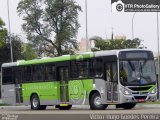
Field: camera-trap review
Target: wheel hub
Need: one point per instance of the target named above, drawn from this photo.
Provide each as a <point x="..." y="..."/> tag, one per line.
<point x="35" y="102"/>
<point x="97" y="101"/>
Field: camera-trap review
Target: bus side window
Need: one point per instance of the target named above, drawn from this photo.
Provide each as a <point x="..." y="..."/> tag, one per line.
<point x="27" y="74"/>
<point x="96" y="69"/>
<point x="74" y="69"/>
<point x="80" y="69"/>
<point x="83" y="69"/>
<point x="50" y="72"/>
<point x="7" y="76"/>
<point x="17" y="74"/>
<point x="38" y="72"/>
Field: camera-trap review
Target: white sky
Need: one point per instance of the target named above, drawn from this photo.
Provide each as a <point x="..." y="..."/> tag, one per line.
<point x="100" y="22"/>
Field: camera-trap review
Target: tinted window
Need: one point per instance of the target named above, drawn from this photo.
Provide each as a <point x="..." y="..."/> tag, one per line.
<point x="80" y="69"/>
<point x="27" y="74"/>
<point x="17" y="74"/>
<point x="38" y="73"/>
<point x="50" y="72"/>
<point x="7" y="76"/>
<point x="96" y="69"/>
<point x="136" y="55"/>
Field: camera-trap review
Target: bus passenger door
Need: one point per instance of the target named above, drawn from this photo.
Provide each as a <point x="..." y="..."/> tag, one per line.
<point x="111" y="81"/>
<point x="18" y="85"/>
<point x="63" y="77"/>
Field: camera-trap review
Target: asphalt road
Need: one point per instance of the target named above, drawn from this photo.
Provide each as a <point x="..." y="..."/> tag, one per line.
<point x="139" y="109"/>
<point x="141" y="112"/>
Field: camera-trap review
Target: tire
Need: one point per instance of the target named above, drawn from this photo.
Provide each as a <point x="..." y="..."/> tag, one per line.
<point x="65" y="107"/>
<point x="43" y="107"/>
<point x="128" y="105"/>
<point x="95" y="102"/>
<point x="35" y="103"/>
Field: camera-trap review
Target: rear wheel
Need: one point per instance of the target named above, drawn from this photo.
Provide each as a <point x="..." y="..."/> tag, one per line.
<point x="35" y="103"/>
<point x="65" y="107"/>
<point x="128" y="105"/>
<point x="95" y="102"/>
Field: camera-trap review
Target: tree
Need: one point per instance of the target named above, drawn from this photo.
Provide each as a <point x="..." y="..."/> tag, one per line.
<point x="5" y="53"/>
<point x="28" y="52"/>
<point x="102" y="44"/>
<point x="51" y="25"/>
<point x="3" y="33"/>
<point x="19" y="51"/>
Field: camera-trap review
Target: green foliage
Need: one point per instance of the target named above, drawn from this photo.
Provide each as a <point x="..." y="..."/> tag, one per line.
<point x="28" y="52"/>
<point x="51" y="25"/>
<point x="5" y="49"/>
<point x="3" y="33"/>
<point x="19" y="52"/>
<point x="102" y="44"/>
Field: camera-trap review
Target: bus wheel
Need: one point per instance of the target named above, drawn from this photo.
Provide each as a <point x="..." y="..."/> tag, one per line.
<point x="35" y="103"/>
<point x="65" y="107"/>
<point x="95" y="102"/>
<point x="128" y="105"/>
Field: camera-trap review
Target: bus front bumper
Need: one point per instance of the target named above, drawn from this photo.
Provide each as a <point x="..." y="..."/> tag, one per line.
<point x="137" y="98"/>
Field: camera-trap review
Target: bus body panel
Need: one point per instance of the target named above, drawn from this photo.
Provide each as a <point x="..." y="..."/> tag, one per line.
<point x="100" y="86"/>
<point x="48" y="92"/>
<point x="79" y="91"/>
<point x="8" y="94"/>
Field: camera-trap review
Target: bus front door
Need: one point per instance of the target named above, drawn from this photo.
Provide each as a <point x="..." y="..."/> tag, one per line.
<point x="63" y="77"/>
<point x="112" y="82"/>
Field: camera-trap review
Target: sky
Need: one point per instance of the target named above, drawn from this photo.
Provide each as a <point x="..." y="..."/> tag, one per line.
<point x="101" y="22"/>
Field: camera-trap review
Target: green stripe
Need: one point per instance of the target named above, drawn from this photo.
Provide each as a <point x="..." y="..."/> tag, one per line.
<point x="57" y="59"/>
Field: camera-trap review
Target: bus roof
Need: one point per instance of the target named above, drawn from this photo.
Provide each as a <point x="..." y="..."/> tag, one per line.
<point x="116" y="52"/>
<point x="50" y="59"/>
<point x="69" y="57"/>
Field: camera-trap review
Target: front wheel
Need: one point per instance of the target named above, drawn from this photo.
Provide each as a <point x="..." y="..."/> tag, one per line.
<point x="95" y="102"/>
<point x="35" y="103"/>
<point x="128" y="105"/>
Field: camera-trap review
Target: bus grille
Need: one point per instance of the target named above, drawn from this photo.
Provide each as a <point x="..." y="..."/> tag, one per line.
<point x="140" y="88"/>
<point x="140" y="93"/>
<point x="140" y="97"/>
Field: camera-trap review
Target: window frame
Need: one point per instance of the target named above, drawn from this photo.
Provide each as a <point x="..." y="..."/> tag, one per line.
<point x="24" y="74"/>
<point x="45" y="76"/>
<point x="11" y="75"/>
<point x="34" y="75"/>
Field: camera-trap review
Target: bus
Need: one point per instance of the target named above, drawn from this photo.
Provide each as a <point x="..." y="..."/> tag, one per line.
<point x="115" y="77"/>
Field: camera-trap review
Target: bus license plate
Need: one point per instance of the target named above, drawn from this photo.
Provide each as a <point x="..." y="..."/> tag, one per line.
<point x="140" y="100"/>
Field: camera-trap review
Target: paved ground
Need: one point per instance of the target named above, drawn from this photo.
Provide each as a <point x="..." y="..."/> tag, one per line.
<point x="140" y="112"/>
<point x="139" y="109"/>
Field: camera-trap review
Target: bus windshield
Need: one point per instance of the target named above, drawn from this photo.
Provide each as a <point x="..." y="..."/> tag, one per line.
<point x="137" y="72"/>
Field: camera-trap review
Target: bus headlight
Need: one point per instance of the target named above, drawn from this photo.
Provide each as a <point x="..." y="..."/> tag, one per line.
<point x="126" y="92"/>
<point x="154" y="91"/>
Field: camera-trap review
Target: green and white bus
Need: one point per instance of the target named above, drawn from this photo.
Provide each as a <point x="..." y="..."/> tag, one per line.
<point x="117" y="77"/>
